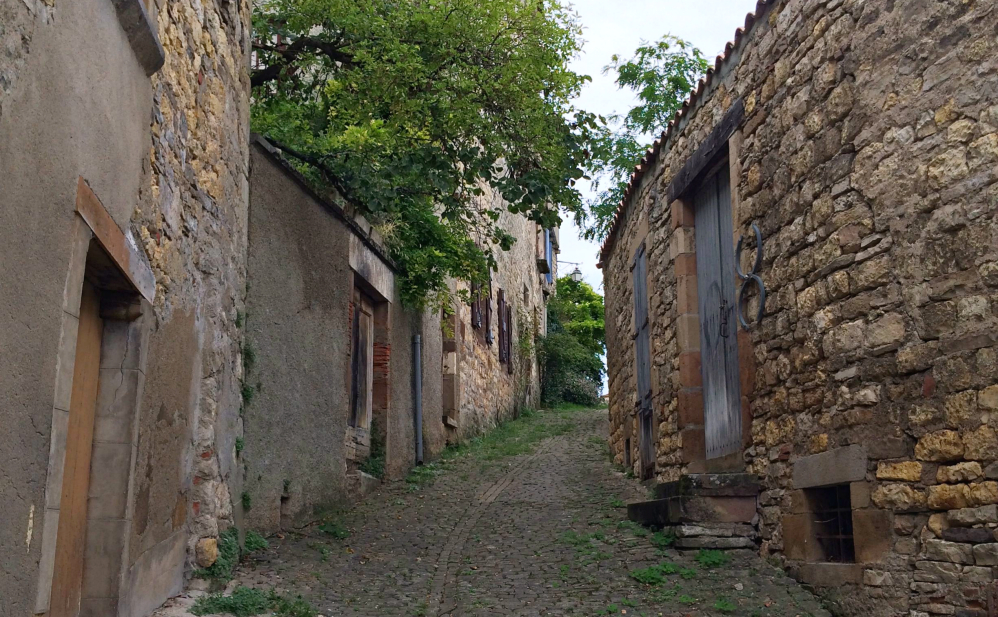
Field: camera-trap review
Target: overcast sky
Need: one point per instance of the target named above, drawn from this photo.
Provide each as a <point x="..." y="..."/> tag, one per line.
<point x="617" y="27"/>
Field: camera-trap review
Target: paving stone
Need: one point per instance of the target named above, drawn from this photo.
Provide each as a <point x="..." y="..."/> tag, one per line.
<point x="535" y="534"/>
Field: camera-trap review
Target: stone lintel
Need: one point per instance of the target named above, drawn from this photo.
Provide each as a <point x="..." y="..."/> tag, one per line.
<point x="839" y="466"/>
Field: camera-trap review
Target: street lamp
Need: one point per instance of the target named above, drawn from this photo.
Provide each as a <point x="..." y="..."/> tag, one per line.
<point x="576" y="275"/>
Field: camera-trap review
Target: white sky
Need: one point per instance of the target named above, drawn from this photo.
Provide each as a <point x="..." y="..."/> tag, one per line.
<point x="618" y="27"/>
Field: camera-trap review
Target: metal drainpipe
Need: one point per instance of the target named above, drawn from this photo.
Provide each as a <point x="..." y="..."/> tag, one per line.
<point x="417" y="386"/>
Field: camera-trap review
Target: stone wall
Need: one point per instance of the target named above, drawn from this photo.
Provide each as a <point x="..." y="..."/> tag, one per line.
<point x="868" y="156"/>
<point x="489" y="393"/>
<point x="165" y="158"/>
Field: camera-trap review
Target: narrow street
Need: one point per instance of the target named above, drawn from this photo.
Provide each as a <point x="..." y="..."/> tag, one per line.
<point x="528" y="521"/>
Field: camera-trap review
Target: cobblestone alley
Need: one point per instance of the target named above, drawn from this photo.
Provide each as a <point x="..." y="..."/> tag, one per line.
<point x="529" y="522"/>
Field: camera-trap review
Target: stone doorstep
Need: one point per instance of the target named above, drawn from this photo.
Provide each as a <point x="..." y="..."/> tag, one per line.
<point x="360" y="484"/>
<point x="711" y="485"/>
<point x="714" y="542"/>
<point x="717" y="530"/>
<point x="693" y="509"/>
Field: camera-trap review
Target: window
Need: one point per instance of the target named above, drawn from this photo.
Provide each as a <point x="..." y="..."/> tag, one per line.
<point x="831" y="522"/>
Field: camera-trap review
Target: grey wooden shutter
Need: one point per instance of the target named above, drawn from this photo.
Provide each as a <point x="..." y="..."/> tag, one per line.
<point x="718" y="330"/>
<point x="509" y="339"/>
<point x="642" y="356"/>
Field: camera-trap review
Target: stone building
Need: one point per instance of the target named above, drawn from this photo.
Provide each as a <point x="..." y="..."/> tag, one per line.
<point x="330" y="353"/>
<point x="832" y="184"/>
<point x="123" y="192"/>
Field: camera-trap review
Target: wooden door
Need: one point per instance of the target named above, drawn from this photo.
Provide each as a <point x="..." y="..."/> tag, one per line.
<point x="362" y="362"/>
<point x="642" y="356"/>
<point x="67" y="578"/>
<point x="718" y="319"/>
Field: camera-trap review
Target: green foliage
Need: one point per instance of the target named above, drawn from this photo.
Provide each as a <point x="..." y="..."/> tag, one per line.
<point x="725" y="605"/>
<point x="408" y="110"/>
<point x="248" y="393"/>
<point x="247" y="501"/>
<point x="571" y="373"/>
<point x="611" y="609"/>
<point x="335" y="529"/>
<point x="653" y="575"/>
<point x="246" y="602"/>
<point x="662" y="74"/>
<point x="249" y="357"/>
<point x="578" y="310"/>
<point x="660" y="539"/>
<point x="686" y="599"/>
<point x="710" y="558"/>
<point x="240" y="445"/>
<point x="688" y="573"/>
<point x="255" y="542"/>
<point x="240" y="319"/>
<point x="228" y="557"/>
<point x="374" y="464"/>
<point x="571" y="353"/>
<point x="243" y="602"/>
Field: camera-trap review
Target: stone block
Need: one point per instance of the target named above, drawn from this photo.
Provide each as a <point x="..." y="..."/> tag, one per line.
<point x="694" y="444"/>
<point x="906" y="471"/>
<point x="961" y="472"/>
<point x="798" y="538"/>
<point x="107" y="498"/>
<point x="949" y="552"/>
<point x="710" y="542"/>
<point x="831" y="574"/>
<point x="937" y="572"/>
<point x="690" y="407"/>
<point x="940" y="447"/>
<point x="986" y="554"/>
<point x="899" y="498"/>
<point x="981" y="445"/>
<point x="859" y="495"/>
<point x="967" y="535"/>
<point x="968" y="517"/>
<point x="838" y="466"/>
<point x="206" y="552"/>
<point x="877" y="578"/>
<point x="949" y="496"/>
<point x="104" y="554"/>
<point x="872" y="535"/>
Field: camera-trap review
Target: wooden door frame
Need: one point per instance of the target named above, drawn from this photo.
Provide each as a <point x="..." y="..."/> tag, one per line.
<point x="100" y="255"/>
<point x="690" y="396"/>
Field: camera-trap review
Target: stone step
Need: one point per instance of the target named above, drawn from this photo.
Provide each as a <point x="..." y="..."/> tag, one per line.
<point x="693" y="509"/>
<point x="711" y="484"/>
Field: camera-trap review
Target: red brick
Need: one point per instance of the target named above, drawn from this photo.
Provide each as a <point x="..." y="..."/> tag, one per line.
<point x="928" y="385"/>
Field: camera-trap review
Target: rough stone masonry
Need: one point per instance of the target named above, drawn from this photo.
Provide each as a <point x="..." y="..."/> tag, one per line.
<point x="867" y="154"/>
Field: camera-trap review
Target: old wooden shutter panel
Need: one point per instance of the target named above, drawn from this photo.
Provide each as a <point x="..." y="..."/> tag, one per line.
<point x="642" y="352"/>
<point x="509" y="339"/>
<point x="718" y="330"/>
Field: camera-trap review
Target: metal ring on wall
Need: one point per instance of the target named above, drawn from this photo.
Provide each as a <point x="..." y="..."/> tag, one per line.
<point x="741" y="300"/>
<point x="758" y="255"/>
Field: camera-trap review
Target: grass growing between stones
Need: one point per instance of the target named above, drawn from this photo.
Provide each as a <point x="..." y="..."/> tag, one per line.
<point x="246" y="602"/>
<point x="510" y="438"/>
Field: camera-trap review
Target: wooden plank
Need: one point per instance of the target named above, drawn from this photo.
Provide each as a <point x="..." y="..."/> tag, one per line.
<point x="712" y="147"/>
<point x="67" y="578"/>
<point x="718" y="331"/>
<point x="110" y="237"/>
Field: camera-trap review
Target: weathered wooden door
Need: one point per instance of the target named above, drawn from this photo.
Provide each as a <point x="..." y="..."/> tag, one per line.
<point x="67" y="578"/>
<point x="718" y="319"/>
<point x="362" y="361"/>
<point x="642" y="354"/>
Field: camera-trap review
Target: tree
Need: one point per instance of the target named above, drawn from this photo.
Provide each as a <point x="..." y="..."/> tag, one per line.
<point x="416" y="112"/>
<point x="572" y="352"/>
<point x="578" y="310"/>
<point x="662" y="74"/>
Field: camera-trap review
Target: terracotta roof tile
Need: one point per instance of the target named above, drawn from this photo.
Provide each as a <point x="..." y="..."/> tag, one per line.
<point x="652" y="154"/>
